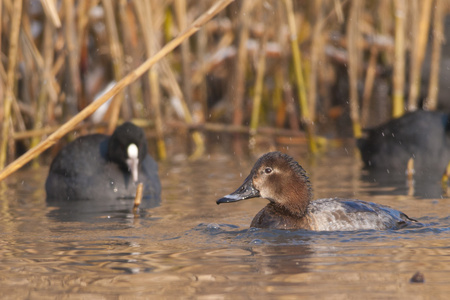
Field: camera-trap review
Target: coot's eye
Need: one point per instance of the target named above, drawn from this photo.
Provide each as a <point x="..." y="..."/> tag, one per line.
<point x="268" y="170"/>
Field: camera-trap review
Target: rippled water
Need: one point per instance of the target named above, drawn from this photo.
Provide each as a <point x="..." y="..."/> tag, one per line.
<point x="189" y="247"/>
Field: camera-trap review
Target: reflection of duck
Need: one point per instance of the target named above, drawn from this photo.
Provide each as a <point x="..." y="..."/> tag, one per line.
<point x="421" y="135"/>
<point x="101" y="167"/>
<point x="280" y="179"/>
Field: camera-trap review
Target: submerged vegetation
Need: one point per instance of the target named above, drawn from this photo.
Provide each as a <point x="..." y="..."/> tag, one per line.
<point x="266" y="66"/>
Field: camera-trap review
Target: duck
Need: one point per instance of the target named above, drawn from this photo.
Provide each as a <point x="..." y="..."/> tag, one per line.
<point x="280" y="179"/>
<point x="423" y="136"/>
<point x="103" y="167"/>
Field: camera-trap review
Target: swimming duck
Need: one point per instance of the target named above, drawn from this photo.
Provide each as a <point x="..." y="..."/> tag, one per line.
<point x="421" y="135"/>
<point x="102" y="167"/>
<point x="281" y="180"/>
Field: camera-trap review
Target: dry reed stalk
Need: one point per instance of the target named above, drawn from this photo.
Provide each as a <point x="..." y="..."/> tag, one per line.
<point x="354" y="61"/>
<point x="237" y="82"/>
<point x="1" y="65"/>
<point x="145" y="18"/>
<point x="315" y="55"/>
<point x="131" y="57"/>
<point x="48" y="81"/>
<point x="398" y="101"/>
<point x="304" y="109"/>
<point x="73" y="86"/>
<point x="46" y="84"/>
<point x="368" y="85"/>
<point x="217" y="7"/>
<point x="338" y="11"/>
<point x="259" y="82"/>
<point x="180" y="13"/>
<point x="83" y="19"/>
<point x="420" y="47"/>
<point x="117" y="60"/>
<point x="290" y="106"/>
<point x="438" y="38"/>
<point x="201" y="52"/>
<point x="279" y="104"/>
<point x="51" y="12"/>
<point x="385" y="26"/>
<point x="10" y="80"/>
<point x="155" y="98"/>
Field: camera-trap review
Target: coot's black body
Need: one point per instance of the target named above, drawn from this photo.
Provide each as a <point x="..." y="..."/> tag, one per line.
<point x="421" y="135"/>
<point x="94" y="167"/>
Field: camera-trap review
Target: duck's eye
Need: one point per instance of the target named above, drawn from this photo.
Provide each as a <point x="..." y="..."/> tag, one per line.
<point x="268" y="170"/>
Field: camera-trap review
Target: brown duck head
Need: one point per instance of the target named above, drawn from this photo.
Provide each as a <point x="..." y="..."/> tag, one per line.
<point x="278" y="178"/>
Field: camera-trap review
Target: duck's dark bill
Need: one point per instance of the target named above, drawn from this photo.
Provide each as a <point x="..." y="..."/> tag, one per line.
<point x="245" y="191"/>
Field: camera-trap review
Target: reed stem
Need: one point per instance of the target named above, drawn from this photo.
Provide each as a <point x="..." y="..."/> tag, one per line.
<point x="419" y="47"/>
<point x="261" y="69"/>
<point x="304" y="109"/>
<point x="117" y="60"/>
<point x="398" y="102"/>
<point x="16" y="18"/>
<point x="237" y="88"/>
<point x="438" y="38"/>
<point x="354" y="61"/>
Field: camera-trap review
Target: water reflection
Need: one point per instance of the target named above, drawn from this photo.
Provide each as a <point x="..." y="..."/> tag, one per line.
<point x="91" y="210"/>
<point x="422" y="186"/>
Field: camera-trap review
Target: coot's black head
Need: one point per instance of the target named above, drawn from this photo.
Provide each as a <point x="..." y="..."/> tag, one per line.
<point x="128" y="147"/>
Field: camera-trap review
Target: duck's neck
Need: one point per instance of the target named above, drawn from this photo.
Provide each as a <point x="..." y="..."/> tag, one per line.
<point x="297" y="200"/>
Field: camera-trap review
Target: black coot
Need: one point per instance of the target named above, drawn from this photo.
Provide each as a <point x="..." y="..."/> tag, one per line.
<point x="102" y="167"/>
<point x="421" y="135"/>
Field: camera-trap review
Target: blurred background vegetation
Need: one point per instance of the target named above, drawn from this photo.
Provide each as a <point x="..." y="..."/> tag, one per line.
<point x="277" y="67"/>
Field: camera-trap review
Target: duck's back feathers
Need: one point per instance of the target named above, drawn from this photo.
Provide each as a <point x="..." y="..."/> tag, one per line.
<point x="349" y="214"/>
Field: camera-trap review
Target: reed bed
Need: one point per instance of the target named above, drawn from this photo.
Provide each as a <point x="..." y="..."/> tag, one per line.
<point x="263" y="67"/>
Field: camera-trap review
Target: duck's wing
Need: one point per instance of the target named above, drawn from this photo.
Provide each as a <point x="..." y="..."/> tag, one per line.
<point x="346" y="214"/>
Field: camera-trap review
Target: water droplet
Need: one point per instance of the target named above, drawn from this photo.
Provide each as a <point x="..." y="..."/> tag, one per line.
<point x="256" y="242"/>
<point x="214" y="226"/>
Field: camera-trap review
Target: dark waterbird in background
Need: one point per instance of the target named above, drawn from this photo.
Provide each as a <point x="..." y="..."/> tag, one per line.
<point x="423" y="136"/>
<point x="281" y="180"/>
<point x="101" y="167"/>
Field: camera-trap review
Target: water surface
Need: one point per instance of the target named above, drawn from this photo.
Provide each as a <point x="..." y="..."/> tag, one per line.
<point x="189" y="247"/>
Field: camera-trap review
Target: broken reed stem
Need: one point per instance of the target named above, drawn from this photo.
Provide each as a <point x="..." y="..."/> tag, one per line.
<point x="304" y="109"/>
<point x="139" y="194"/>
<point x="353" y="62"/>
<point x="438" y="38"/>
<point x="419" y="47"/>
<point x="66" y="127"/>
<point x="399" y="60"/>
<point x="10" y="82"/>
